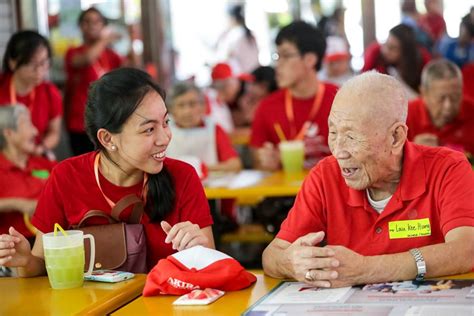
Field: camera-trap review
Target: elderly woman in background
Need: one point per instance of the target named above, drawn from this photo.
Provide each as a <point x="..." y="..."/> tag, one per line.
<point x="23" y="174"/>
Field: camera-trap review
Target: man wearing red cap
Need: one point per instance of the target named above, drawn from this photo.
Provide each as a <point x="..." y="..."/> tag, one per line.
<point x="231" y="89"/>
<point x="300" y="109"/>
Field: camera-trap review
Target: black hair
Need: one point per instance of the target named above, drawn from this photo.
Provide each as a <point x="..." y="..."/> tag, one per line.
<point x="266" y="75"/>
<point x="111" y="101"/>
<point x="21" y="47"/>
<point x="91" y="9"/>
<point x="306" y="37"/>
<point x="236" y="12"/>
<point x="411" y="63"/>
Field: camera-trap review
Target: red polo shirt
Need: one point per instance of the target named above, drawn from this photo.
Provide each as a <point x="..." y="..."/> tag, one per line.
<point x="71" y="191"/>
<point x="21" y="183"/>
<point x="44" y="102"/>
<point x="459" y="134"/>
<point x="436" y="184"/>
<point x="78" y="81"/>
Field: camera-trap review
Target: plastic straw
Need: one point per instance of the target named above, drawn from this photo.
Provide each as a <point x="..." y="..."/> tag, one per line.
<point x="279" y="132"/>
<point x="56" y="227"/>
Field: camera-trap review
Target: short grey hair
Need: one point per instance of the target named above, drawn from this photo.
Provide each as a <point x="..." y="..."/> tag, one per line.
<point x="181" y="88"/>
<point x="439" y="69"/>
<point x="9" y="115"/>
<point x="376" y="87"/>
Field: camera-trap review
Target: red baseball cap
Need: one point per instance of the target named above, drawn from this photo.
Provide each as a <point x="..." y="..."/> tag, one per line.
<point x="223" y="71"/>
<point x="196" y="268"/>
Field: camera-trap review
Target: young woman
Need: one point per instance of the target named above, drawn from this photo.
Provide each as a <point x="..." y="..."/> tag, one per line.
<point x="127" y="120"/>
<point x="85" y="64"/>
<point x="26" y="63"/>
<point x="400" y="56"/>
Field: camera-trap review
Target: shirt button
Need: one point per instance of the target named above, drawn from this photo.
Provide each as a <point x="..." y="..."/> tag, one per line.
<point x="378" y="230"/>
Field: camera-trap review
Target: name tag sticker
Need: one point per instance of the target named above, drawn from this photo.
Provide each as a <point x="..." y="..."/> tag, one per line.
<point x="409" y="228"/>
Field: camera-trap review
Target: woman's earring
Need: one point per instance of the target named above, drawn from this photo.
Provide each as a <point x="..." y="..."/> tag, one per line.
<point x="113" y="147"/>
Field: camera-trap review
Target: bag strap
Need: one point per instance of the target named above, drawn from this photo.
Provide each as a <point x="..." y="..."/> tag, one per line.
<point x="93" y="213"/>
<point x="123" y="203"/>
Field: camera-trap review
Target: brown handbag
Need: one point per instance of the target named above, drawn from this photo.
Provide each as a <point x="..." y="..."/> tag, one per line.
<point x="118" y="245"/>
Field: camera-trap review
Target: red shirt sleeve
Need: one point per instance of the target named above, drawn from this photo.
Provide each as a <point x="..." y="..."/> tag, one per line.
<point x="258" y="134"/>
<point x="191" y="200"/>
<point x="456" y="207"/>
<point x="56" y="101"/>
<point x="225" y="150"/>
<point x="50" y="209"/>
<point x="306" y="216"/>
<point x="371" y="57"/>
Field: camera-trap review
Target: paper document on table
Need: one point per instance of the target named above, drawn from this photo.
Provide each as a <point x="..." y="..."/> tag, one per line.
<point x="244" y="178"/>
<point x="300" y="293"/>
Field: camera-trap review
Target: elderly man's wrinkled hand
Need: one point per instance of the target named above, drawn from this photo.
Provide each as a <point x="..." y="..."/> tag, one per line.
<point x="311" y="264"/>
<point x="352" y="267"/>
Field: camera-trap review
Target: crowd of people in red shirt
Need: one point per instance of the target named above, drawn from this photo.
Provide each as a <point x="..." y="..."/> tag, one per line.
<point x="376" y="159"/>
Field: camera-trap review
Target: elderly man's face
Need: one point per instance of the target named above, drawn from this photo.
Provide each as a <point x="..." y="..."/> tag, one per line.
<point x="443" y="100"/>
<point x="358" y="144"/>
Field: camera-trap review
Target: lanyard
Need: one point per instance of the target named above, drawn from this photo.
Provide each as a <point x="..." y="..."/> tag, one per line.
<point x="314" y="110"/>
<point x="96" y="173"/>
<point x="13" y="99"/>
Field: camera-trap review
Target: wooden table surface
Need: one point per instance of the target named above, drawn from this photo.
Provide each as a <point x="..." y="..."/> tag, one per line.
<point x="34" y="296"/>
<point x="277" y="184"/>
<point x="232" y="303"/>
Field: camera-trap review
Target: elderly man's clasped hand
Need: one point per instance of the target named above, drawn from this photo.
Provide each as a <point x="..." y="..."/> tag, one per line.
<point x="330" y="266"/>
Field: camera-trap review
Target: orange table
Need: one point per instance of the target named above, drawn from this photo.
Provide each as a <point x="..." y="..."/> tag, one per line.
<point x="275" y="185"/>
<point x="34" y="296"/>
<point x="232" y="303"/>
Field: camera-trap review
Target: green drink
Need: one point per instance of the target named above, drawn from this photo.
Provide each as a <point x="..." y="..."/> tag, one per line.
<point x="65" y="267"/>
<point x="64" y="257"/>
<point x="292" y="155"/>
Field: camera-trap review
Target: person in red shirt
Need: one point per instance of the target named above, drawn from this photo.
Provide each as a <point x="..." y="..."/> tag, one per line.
<point x="388" y="209"/>
<point x="442" y="116"/>
<point x="210" y="143"/>
<point x="85" y="64"/>
<point x="23" y="173"/>
<point x="400" y="56"/>
<point x="26" y="63"/>
<point x="127" y="121"/>
<point x="301" y="107"/>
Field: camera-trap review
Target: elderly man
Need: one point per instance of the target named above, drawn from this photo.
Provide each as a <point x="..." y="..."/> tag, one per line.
<point x="388" y="209"/>
<point x="442" y="117"/>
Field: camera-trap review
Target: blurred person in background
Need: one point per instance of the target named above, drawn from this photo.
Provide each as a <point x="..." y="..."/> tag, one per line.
<point x="85" y="64"/>
<point x="400" y="56"/>
<point x="231" y="89"/>
<point x="337" y="62"/>
<point x="26" y="63"/>
<point x="237" y="45"/>
<point x="23" y="173"/>
<point x="461" y="50"/>
<point x="442" y="116"/>
<point x="196" y="136"/>
<point x="301" y="106"/>
<point x="433" y="22"/>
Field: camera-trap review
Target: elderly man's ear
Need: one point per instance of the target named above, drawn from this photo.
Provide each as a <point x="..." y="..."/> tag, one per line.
<point x="398" y="136"/>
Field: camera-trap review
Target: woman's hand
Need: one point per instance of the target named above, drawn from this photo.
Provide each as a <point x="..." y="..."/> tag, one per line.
<point x="184" y="235"/>
<point x="15" y="250"/>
